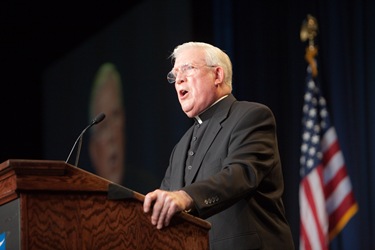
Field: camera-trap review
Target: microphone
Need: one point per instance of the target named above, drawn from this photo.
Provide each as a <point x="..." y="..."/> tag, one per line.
<point x="95" y="121"/>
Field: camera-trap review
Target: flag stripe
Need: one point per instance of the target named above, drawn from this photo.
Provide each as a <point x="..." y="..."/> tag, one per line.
<point x="340" y="176"/>
<point x="313" y="215"/>
<point x="344" y="219"/>
<point x="332" y="167"/>
<point x="304" y="241"/>
<point x="329" y="138"/>
<point x="339" y="194"/>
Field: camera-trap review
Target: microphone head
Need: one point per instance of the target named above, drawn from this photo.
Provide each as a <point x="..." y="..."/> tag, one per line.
<point x="98" y="119"/>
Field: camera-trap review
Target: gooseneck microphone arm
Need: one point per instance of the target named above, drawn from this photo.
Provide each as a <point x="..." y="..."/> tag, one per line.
<point x="95" y="121"/>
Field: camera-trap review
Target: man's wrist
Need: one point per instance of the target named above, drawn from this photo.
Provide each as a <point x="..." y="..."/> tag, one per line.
<point x="188" y="201"/>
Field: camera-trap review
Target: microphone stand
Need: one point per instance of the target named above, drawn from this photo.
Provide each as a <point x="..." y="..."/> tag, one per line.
<point x="96" y="120"/>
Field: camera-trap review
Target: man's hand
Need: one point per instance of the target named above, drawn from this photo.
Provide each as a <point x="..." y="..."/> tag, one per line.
<point x="165" y="204"/>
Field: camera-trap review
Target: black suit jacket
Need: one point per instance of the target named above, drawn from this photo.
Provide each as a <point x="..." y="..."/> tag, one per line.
<point x="236" y="181"/>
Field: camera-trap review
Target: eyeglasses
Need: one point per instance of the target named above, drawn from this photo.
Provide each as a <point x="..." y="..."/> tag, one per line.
<point x="185" y="70"/>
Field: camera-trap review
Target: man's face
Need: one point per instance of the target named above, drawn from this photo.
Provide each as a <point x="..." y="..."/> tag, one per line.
<point x="195" y="81"/>
<point x="107" y="147"/>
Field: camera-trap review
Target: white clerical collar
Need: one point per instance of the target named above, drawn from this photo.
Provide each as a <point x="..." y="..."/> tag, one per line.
<point x="199" y="120"/>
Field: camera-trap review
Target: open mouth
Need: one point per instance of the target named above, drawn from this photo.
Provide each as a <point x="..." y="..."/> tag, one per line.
<point x="183" y="92"/>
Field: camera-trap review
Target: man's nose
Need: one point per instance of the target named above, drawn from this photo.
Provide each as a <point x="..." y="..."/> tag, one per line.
<point x="180" y="77"/>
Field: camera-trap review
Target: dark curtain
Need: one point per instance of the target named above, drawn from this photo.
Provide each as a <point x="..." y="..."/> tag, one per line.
<point x="262" y="38"/>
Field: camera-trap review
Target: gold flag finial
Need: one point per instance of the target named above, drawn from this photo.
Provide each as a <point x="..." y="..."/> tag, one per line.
<point x="309" y="30"/>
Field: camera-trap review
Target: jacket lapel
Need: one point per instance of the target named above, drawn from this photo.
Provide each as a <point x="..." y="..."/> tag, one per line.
<point x="214" y="127"/>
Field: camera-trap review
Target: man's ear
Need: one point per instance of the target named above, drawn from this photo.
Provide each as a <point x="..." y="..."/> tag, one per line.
<point x="219" y="75"/>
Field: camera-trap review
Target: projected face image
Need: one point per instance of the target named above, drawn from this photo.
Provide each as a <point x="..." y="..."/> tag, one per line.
<point x="107" y="141"/>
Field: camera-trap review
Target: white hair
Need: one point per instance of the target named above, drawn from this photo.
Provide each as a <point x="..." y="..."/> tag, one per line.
<point x="214" y="56"/>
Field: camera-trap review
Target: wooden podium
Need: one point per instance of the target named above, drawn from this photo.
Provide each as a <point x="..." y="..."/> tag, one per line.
<point x="54" y="205"/>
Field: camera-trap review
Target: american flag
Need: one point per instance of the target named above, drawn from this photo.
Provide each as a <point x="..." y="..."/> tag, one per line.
<point x="326" y="197"/>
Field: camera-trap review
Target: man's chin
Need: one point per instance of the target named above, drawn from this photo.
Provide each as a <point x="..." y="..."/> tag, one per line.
<point x="189" y="112"/>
